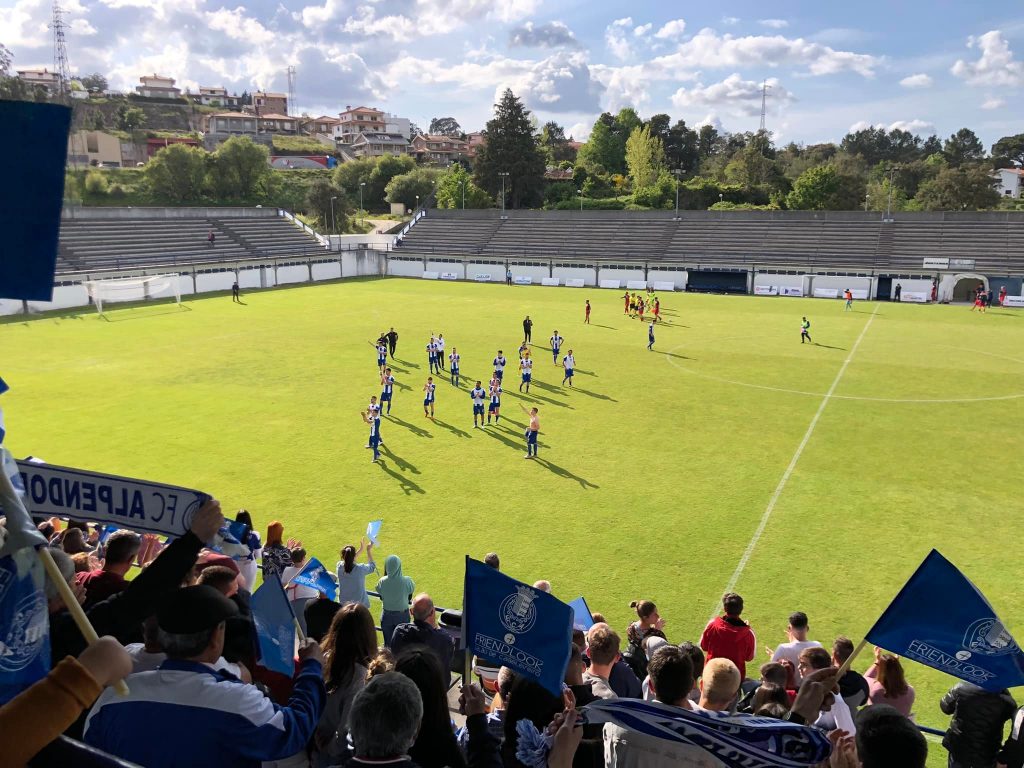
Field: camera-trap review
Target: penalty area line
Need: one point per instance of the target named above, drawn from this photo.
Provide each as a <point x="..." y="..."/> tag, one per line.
<point x="763" y="523"/>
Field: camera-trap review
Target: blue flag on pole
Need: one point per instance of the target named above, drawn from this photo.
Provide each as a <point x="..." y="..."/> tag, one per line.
<point x="716" y="738"/>
<point x="373" y="530"/>
<point x="24" y="617"/>
<point x="942" y="620"/>
<point x="275" y="626"/>
<point x="510" y="623"/>
<point x="315" y="576"/>
<point x="581" y="616"/>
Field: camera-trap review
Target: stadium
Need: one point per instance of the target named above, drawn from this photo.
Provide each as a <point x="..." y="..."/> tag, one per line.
<point x="563" y="465"/>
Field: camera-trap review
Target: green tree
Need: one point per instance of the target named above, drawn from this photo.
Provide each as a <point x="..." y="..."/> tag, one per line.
<point x="332" y="218"/>
<point x="626" y="121"/>
<point x="176" y="174"/>
<point x="512" y="149"/>
<point x="959" y="189"/>
<point x="94" y="82"/>
<point x="412" y="188"/>
<point x="932" y="145"/>
<point x="12" y="87"/>
<point x="709" y="141"/>
<point x="457" y="186"/>
<point x="96" y="183"/>
<point x="603" y="151"/>
<point x="240" y="169"/>
<point x="98" y="123"/>
<point x="374" y="173"/>
<point x="681" y="147"/>
<point x="445" y="126"/>
<point x="825" y="188"/>
<point x="963" y="147"/>
<point x="1008" y="152"/>
<point x="554" y="144"/>
<point x="645" y="157"/>
<point x="130" y="118"/>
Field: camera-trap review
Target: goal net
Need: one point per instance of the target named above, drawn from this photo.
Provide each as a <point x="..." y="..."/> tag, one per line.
<point x="120" y="289"/>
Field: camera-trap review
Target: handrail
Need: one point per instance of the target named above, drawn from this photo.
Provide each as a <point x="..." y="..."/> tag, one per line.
<point x="322" y="239"/>
<point x="420" y="213"/>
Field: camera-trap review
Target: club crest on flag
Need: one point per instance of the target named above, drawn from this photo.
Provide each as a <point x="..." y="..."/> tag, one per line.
<point x="518" y="613"/>
<point x="989" y="638"/>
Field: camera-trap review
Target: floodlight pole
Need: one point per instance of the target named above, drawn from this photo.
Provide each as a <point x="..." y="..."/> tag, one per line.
<point x="361" y="185"/>
<point x="503" y="174"/>
<point x="580" y="193"/>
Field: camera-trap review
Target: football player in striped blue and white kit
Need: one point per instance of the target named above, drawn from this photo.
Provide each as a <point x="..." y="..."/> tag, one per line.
<point x="556" y="346"/>
<point x="428" y="397"/>
<point x="478" y="395"/>
<point x="499" y="365"/>
<point x="495" y="405"/>
<point x="526" y="366"/>
<point x="372" y="417"/>
<point x="432" y="355"/>
<point x="382" y="355"/>
<point x="569" y="364"/>
<point x="387" y="384"/>
<point x="453" y="359"/>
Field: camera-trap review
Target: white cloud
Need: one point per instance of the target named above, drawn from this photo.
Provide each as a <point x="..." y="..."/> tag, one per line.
<point x="730" y="21"/>
<point x="773" y="23"/>
<point x="643" y="29"/>
<point x="910" y="126"/>
<point x="733" y="95"/>
<point x="993" y="102"/>
<point x="580" y="131"/>
<point x="551" y="35"/>
<point x="916" y="81"/>
<point x="671" y="30"/>
<point x="709" y="50"/>
<point x="408" y="19"/>
<point x="995" y="66"/>
<point x="615" y="38"/>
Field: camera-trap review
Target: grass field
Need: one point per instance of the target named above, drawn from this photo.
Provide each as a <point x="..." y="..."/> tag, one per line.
<point x="655" y="471"/>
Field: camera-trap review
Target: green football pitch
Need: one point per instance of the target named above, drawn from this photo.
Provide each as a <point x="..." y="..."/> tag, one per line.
<point x="810" y="477"/>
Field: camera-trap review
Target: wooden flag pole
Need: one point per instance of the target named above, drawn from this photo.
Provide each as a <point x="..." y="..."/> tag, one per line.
<point x="856" y="652"/>
<point x="74" y="608"/>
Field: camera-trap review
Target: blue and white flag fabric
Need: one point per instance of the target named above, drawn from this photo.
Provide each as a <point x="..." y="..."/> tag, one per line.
<point x="512" y="624"/>
<point x="717" y="739"/>
<point x="275" y="626"/>
<point x="942" y="620"/>
<point x="231" y="540"/>
<point x="24" y="618"/>
<point x="373" y="530"/>
<point x="315" y="576"/>
<point x="581" y="616"/>
<point x="3" y="388"/>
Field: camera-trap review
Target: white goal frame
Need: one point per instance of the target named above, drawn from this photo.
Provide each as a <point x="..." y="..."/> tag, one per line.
<point x="117" y="289"/>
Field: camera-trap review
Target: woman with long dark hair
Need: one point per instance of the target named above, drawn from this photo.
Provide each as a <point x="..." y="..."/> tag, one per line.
<point x="349" y="646"/>
<point x="352" y="575"/>
<point x="649" y="624"/>
<point x="888" y="685"/>
<point x="435" y="745"/>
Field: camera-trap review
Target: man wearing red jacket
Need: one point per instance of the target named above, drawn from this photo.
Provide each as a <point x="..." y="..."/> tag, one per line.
<point x="728" y="636"/>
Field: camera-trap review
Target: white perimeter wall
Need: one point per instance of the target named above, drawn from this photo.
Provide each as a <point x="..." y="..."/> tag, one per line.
<point x="678" y="279"/>
<point x="330" y="270"/>
<point x="496" y="271"/>
<point x="293" y="274"/>
<point x="912" y="286"/>
<point x="405" y="268"/>
<point x="537" y="273"/>
<point x="622" y="274"/>
<point x="587" y="274"/>
<point x="64" y="296"/>
<point x="447" y="266"/>
<point x="10" y="307"/>
<point x="249" y="278"/>
<point x="783" y="281"/>
<point x="842" y="283"/>
<point x="215" y="281"/>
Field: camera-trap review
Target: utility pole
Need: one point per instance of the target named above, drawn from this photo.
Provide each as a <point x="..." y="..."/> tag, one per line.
<point x="503" y="175"/>
<point x="61" y="68"/>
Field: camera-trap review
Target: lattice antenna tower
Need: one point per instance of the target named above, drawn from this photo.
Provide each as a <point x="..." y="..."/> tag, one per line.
<point x="61" y="68"/>
<point x="764" y="103"/>
<point x="291" y="89"/>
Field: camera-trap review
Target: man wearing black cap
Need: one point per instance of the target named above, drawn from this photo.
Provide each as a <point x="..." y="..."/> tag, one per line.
<point x="188" y="713"/>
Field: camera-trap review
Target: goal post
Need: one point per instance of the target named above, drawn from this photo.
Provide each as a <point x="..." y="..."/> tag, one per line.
<point x="121" y="289"/>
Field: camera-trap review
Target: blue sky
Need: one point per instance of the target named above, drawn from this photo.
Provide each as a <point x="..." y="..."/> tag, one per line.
<point x="925" y="66"/>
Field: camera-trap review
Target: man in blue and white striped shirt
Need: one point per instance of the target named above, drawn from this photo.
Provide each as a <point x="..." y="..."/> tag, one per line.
<point x="188" y="713"/>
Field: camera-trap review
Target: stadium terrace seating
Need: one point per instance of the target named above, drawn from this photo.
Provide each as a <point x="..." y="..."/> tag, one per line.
<point x="106" y="244"/>
<point x="827" y="240"/>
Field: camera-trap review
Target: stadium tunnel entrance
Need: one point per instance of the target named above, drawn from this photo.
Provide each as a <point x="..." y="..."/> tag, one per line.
<point x="961" y="287"/>
<point x="718" y="281"/>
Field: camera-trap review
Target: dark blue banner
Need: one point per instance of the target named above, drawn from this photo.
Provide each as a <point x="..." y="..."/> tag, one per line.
<point x="512" y="624"/>
<point x="942" y="620"/>
<point x="275" y="626"/>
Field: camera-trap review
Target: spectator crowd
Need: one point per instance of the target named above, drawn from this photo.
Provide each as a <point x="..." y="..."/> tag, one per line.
<point x="179" y="630"/>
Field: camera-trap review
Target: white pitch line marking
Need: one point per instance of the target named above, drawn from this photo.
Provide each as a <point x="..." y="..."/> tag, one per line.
<point x="792" y="465"/>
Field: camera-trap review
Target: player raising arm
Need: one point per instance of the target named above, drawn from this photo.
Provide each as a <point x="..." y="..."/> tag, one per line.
<point x="531" y="432"/>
